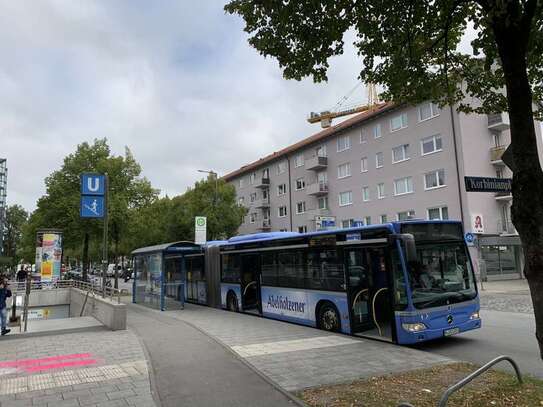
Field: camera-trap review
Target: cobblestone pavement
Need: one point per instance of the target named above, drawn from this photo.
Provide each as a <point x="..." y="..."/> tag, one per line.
<point x="518" y="301"/>
<point x="297" y="357"/>
<point x="97" y="368"/>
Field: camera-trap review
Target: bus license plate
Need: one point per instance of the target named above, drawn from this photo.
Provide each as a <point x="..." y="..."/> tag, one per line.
<point x="452" y="331"/>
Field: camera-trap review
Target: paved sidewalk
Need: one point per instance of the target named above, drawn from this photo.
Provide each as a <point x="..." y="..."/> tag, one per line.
<point x="297" y="357"/>
<point x="509" y="296"/>
<point x="98" y="368"/>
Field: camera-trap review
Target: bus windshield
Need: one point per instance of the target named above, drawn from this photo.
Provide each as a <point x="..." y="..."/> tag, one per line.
<point x="442" y="275"/>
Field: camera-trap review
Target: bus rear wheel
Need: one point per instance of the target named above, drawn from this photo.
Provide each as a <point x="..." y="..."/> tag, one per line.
<point x="232" y="302"/>
<point x="329" y="318"/>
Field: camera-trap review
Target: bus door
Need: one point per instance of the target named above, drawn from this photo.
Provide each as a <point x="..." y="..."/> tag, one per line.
<point x="368" y="292"/>
<point x="250" y="282"/>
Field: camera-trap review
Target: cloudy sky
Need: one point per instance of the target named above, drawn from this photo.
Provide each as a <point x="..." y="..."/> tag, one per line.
<point x="174" y="81"/>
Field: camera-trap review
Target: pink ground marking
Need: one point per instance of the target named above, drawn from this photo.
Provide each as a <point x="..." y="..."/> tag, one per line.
<point x="60" y="365"/>
<point x="30" y="362"/>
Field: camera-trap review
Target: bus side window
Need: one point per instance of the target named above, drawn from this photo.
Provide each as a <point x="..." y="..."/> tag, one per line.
<point x="269" y="269"/>
<point x="324" y="271"/>
<point x="290" y="269"/>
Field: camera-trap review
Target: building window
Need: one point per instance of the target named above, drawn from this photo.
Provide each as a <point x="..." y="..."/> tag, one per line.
<point x="365" y="194"/>
<point x="381" y="190"/>
<point x="344" y="170"/>
<point x="252" y="178"/>
<point x="363" y="137"/>
<point x="282" y="211"/>
<point x="367" y="220"/>
<point x="281" y="189"/>
<point x="347" y="223"/>
<point x="321" y="151"/>
<point x="302" y="229"/>
<point x="398" y="122"/>
<point x="322" y="202"/>
<point x="266" y="173"/>
<point x="434" y="179"/>
<point x="441" y="213"/>
<point x="343" y="143"/>
<point x="252" y="217"/>
<point x="400" y="153"/>
<point x="499" y="173"/>
<point x="300" y="207"/>
<point x="345" y="198"/>
<point x="300" y="184"/>
<point x="241" y="182"/>
<point x="379" y="160"/>
<point x="406" y="215"/>
<point x="383" y="218"/>
<point x="428" y="111"/>
<point x="403" y="186"/>
<point x="253" y="196"/>
<point x="299" y="160"/>
<point x="431" y="144"/>
<point x="283" y="230"/>
<point x="377" y="131"/>
<point x="281" y="167"/>
<point x="364" y="164"/>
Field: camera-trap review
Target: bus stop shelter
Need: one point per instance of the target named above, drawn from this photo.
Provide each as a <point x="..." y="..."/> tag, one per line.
<point x="159" y="274"/>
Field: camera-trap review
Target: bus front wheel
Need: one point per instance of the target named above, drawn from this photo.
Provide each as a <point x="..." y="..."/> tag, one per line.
<point x="232" y="302"/>
<point x="329" y="318"/>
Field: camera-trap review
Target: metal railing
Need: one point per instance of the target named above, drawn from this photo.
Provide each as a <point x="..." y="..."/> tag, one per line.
<point x="478" y="372"/>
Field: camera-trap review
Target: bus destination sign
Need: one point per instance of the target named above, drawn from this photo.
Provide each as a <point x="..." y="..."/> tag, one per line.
<point x="485" y="184"/>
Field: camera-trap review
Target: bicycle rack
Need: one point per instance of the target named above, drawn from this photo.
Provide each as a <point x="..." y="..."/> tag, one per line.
<point x="478" y="372"/>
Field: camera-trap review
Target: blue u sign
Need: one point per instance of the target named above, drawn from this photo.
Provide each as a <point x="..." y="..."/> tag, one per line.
<point x="92" y="206"/>
<point x="93" y="184"/>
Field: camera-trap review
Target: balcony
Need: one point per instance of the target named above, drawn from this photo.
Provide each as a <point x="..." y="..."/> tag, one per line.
<point x="498" y="122"/>
<point x="312" y="214"/>
<point x="506" y="228"/>
<point x="496" y="154"/>
<point x="316" y="163"/>
<point x="263" y="183"/>
<point x="503" y="196"/>
<point x="262" y="203"/>
<point x="265" y="225"/>
<point x="317" y="189"/>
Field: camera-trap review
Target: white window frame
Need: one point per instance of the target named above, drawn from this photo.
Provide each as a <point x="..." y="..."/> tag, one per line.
<point x="280" y="165"/>
<point x="440" y="209"/>
<point x="322" y="199"/>
<point x="320" y="151"/>
<point x="365" y="194"/>
<point x="252" y="178"/>
<point x="299" y="160"/>
<point x="403" y="119"/>
<point x="434" y="111"/>
<point x="363" y="136"/>
<point x="383" y="218"/>
<point x="350" y="195"/>
<point x="381" y="190"/>
<point x="303" y="207"/>
<point x="433" y="138"/>
<point x="410" y="214"/>
<point x="364" y="164"/>
<point x="252" y="217"/>
<point x="346" y="143"/>
<point x="436" y="173"/>
<point x="241" y="183"/>
<point x="279" y="211"/>
<point x="302" y="183"/>
<point x="347" y="172"/>
<point x="303" y="229"/>
<point x="406" y="182"/>
<point x="379" y="154"/>
<point x="349" y="225"/>
<point x="405" y="153"/>
<point x="252" y="197"/>
<point x="367" y="220"/>
<point x="377" y="133"/>
<point x="279" y="193"/>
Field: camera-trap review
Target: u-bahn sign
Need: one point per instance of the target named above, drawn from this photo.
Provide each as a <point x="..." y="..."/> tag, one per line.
<point x="485" y="184"/>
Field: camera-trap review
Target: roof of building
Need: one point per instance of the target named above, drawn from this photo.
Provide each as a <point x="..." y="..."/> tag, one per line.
<point x="323" y="134"/>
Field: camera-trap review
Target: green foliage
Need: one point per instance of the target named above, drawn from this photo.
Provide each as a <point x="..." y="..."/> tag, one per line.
<point x="410" y="47"/>
<point x="16" y="218"/>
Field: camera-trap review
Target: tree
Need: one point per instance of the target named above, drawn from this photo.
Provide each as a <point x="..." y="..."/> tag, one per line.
<point x="411" y="48"/>
<point x="16" y="218"/>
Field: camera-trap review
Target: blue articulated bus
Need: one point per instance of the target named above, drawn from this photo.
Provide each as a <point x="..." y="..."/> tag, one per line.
<point x="404" y="282"/>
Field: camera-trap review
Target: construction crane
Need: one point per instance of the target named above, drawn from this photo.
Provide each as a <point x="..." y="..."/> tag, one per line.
<point x="325" y="117"/>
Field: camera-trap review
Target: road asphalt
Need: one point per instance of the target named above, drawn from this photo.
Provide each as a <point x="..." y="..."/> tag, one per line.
<point x="210" y="374"/>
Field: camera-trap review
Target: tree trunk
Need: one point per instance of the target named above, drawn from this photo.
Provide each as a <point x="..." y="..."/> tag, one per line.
<point x="86" y="256"/>
<point x="523" y="159"/>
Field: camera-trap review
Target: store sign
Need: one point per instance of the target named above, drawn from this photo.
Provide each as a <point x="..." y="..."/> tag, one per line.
<point x="200" y="229"/>
<point x="485" y="184"/>
<point x="325" y="222"/>
<point x="477" y="224"/>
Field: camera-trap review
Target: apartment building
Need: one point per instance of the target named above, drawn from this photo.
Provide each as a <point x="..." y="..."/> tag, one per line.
<point x="3" y="194"/>
<point x="396" y="162"/>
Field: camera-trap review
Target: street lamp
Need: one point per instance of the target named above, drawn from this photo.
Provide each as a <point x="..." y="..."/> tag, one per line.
<point x="215" y="200"/>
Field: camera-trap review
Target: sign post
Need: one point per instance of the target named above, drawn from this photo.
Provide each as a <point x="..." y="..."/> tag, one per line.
<point x="200" y="229"/>
<point x="94" y="201"/>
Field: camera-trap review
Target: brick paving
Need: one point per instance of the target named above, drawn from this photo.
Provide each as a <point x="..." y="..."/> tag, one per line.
<point x="510" y="302"/>
<point x="297" y="357"/>
<point x="97" y="369"/>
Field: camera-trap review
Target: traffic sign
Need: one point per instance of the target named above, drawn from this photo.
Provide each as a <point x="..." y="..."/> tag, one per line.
<point x="93" y="184"/>
<point x="469" y="238"/>
<point x="200" y="229"/>
<point x="92" y="206"/>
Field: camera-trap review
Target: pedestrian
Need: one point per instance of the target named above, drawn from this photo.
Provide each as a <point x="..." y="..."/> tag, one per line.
<point x="21" y="274"/>
<point x="5" y="292"/>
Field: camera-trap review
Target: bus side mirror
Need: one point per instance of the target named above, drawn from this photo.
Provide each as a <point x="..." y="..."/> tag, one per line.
<point x="408" y="241"/>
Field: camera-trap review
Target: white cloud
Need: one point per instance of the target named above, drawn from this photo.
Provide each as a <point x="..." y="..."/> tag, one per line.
<point x="175" y="81"/>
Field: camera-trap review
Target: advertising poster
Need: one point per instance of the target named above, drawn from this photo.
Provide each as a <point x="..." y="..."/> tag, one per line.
<point x="49" y="255"/>
<point x="477" y="224"/>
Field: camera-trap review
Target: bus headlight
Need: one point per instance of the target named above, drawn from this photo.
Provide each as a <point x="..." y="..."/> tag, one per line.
<point x="475" y="315"/>
<point x="416" y="327"/>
